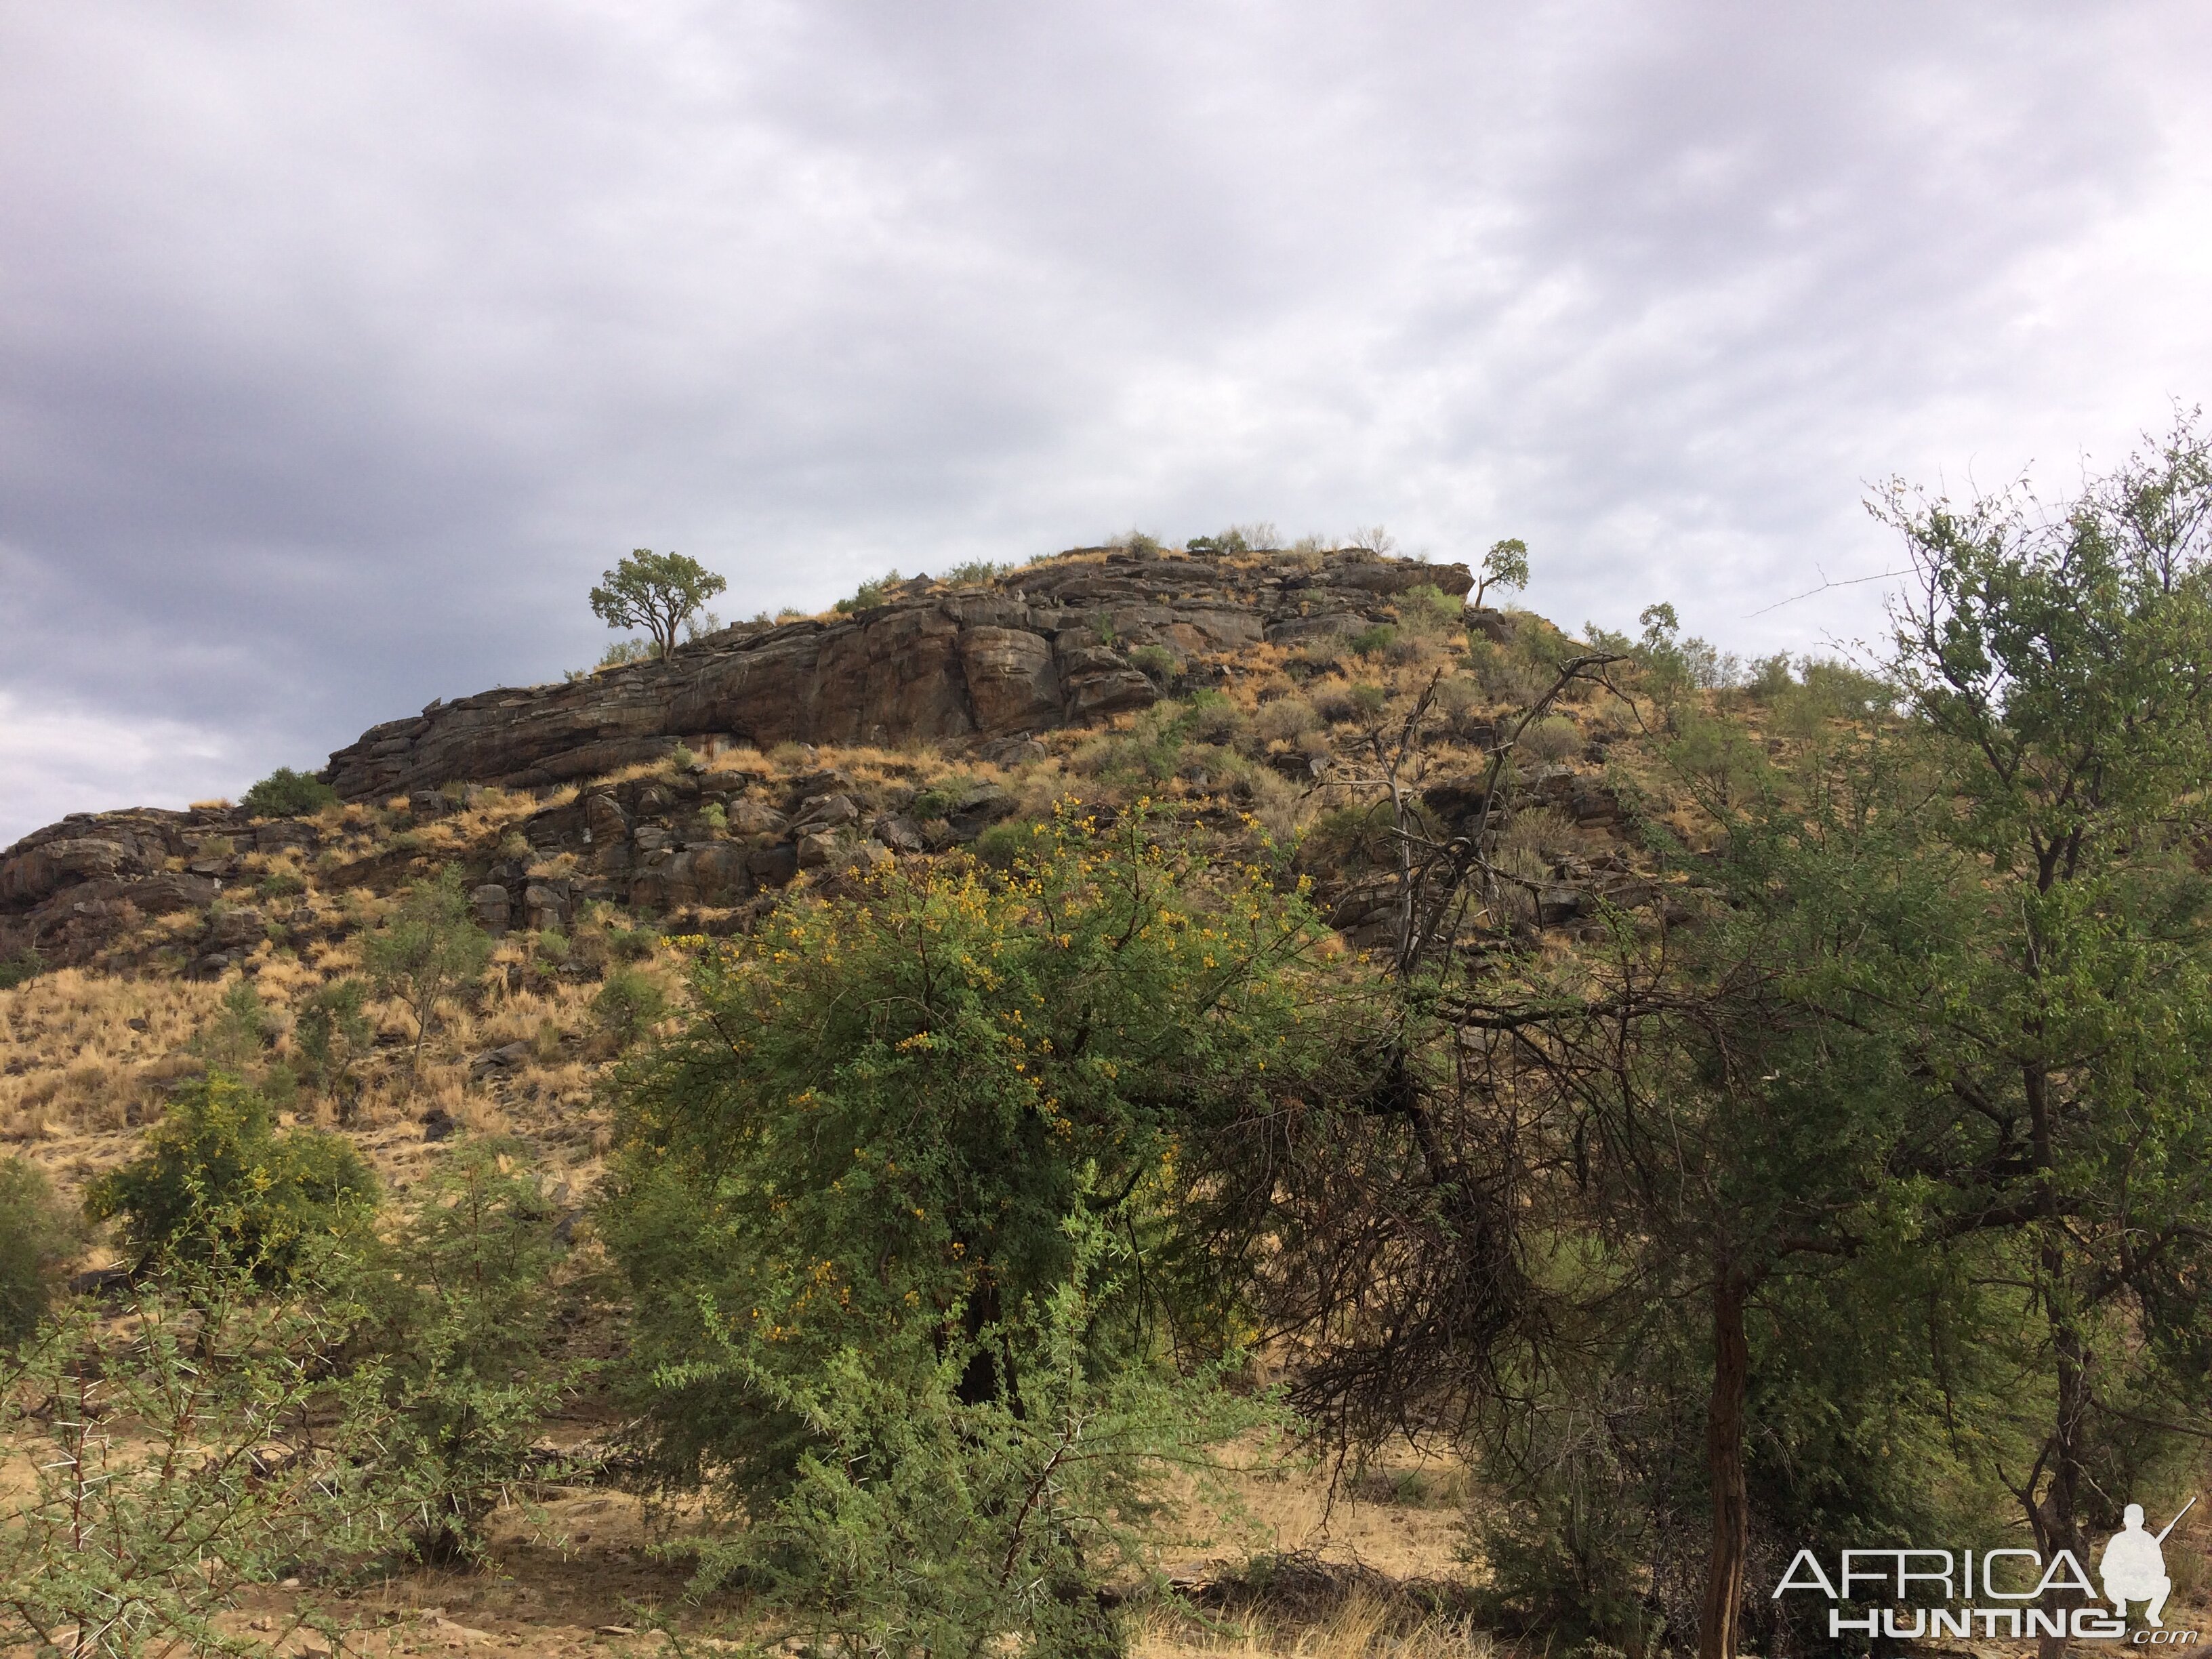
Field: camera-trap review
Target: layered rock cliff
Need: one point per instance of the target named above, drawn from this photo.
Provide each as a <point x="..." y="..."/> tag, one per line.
<point x="1046" y="646"/>
<point x="971" y="669"/>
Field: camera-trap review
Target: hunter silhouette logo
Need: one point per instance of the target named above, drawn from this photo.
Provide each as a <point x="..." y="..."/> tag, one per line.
<point x="2133" y="1565"/>
<point x="1946" y="1593"/>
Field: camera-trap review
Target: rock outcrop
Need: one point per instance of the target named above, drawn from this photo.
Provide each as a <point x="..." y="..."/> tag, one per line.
<point x="91" y="871"/>
<point x="1046" y="646"/>
<point x="973" y="668"/>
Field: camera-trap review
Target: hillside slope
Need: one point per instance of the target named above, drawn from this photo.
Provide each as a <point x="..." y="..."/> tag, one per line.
<point x="1241" y="694"/>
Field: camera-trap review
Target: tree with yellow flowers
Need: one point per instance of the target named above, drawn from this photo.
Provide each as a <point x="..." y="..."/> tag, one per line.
<point x="938" y="1214"/>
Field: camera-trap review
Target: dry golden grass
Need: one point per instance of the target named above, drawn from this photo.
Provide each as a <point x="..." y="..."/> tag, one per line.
<point x="78" y="1080"/>
<point x="1362" y="1628"/>
<point x="72" y="1063"/>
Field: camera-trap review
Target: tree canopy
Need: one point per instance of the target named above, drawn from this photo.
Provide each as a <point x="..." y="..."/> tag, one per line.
<point x="657" y="592"/>
<point x="924" y="1150"/>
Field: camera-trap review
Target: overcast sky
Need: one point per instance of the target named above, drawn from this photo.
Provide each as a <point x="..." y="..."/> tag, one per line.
<point x="343" y="346"/>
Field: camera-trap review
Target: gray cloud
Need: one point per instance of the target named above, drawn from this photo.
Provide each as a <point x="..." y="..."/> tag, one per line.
<point x="344" y="348"/>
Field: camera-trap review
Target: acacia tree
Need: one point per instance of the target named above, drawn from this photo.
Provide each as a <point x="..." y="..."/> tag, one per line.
<point x="1505" y="565"/>
<point x="429" y="945"/>
<point x="1957" y="1006"/>
<point x="1560" y="1156"/>
<point x="2062" y="663"/>
<point x="657" y="592"/>
<point x="938" y="1212"/>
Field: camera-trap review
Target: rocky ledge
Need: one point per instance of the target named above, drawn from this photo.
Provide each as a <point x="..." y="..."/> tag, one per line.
<point x="975" y="668"/>
<point x="1046" y="646"/>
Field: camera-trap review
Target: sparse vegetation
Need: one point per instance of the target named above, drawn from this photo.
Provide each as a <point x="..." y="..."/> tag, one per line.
<point x="974" y="573"/>
<point x="870" y="594"/>
<point x="238" y="1464"/>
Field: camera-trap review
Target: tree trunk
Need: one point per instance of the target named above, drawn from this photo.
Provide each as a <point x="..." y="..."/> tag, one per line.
<point x="2057" y="1519"/>
<point x="1717" y="1628"/>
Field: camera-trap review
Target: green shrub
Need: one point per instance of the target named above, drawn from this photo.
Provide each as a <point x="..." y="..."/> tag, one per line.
<point x="285" y="793"/>
<point x="1351" y="839"/>
<point x="26" y="964"/>
<point x="870" y="594"/>
<point x="1428" y="612"/>
<point x="1149" y="752"/>
<point x="1373" y="641"/>
<point x="1212" y="718"/>
<point x="1508" y="675"/>
<point x="238" y="1035"/>
<point x="431" y="945"/>
<point x="1838" y="691"/>
<point x="622" y="653"/>
<point x="39" y="1236"/>
<point x="1553" y="738"/>
<point x="1156" y="662"/>
<point x="332" y="1036"/>
<point x="279" y="884"/>
<point x="940" y="797"/>
<point x="928" y="1520"/>
<point x="1286" y="719"/>
<point x="627" y="1004"/>
<point x="715" y="817"/>
<point x="1002" y="844"/>
<point x="1367" y="700"/>
<point x="1318" y="655"/>
<point x="215" y="1180"/>
<point x="973" y="574"/>
<point x="863" y="1203"/>
<point x="1715" y="758"/>
<point x="1770" y="676"/>
<point x="1258" y="538"/>
<point x="165" y="1465"/>
<point x="459" y="1321"/>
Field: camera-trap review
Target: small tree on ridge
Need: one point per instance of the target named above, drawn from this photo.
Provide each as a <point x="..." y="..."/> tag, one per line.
<point x="1506" y="566"/>
<point x="657" y="592"/>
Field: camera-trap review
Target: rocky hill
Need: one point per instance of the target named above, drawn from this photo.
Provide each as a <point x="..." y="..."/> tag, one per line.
<point x="1045" y="646"/>
<point x="597" y="826"/>
<point x="976" y="671"/>
<point x="592" y="822"/>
